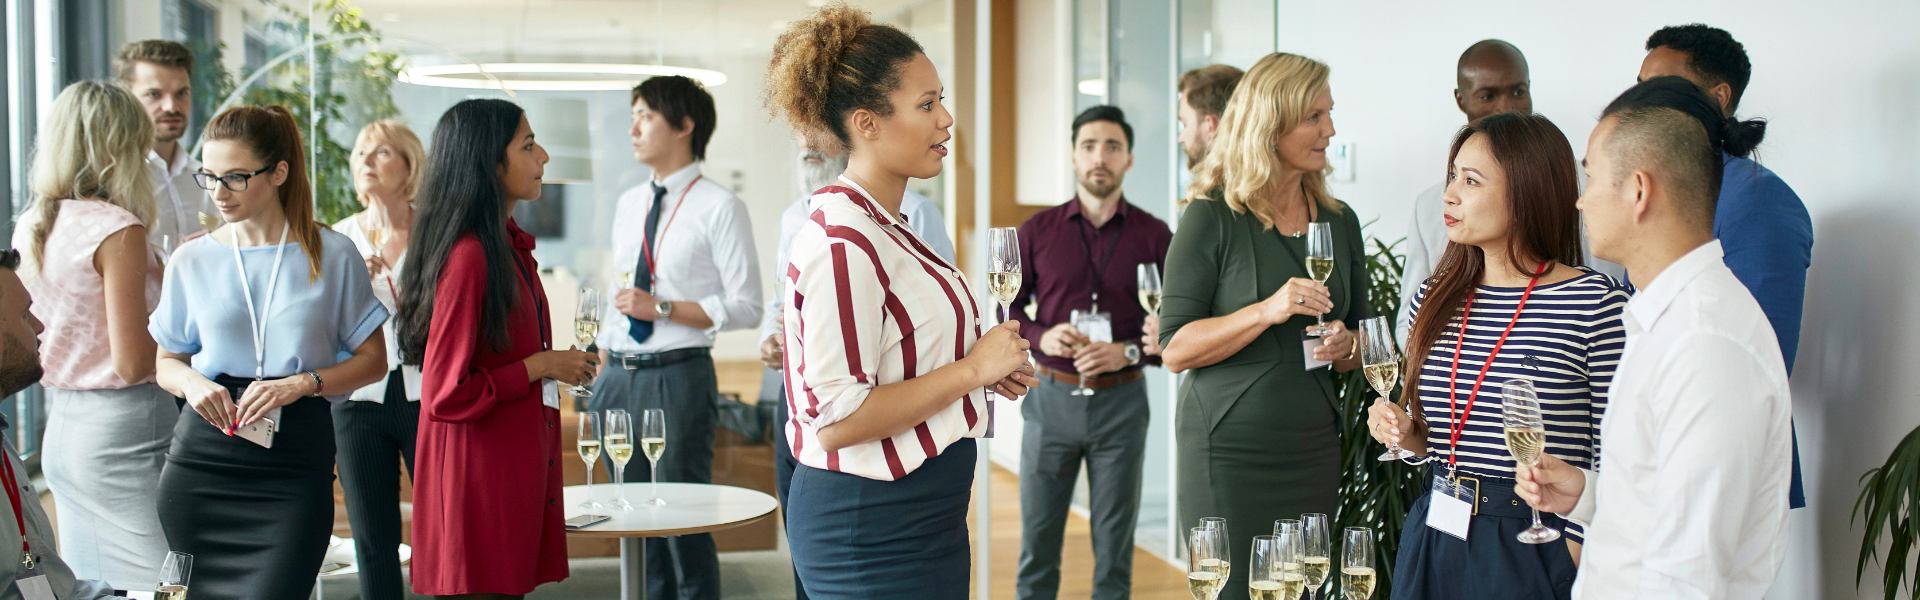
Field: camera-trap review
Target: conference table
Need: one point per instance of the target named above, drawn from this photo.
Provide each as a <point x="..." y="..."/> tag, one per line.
<point x="691" y="508"/>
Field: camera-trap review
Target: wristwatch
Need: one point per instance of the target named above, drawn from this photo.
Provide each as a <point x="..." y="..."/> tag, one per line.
<point x="1133" y="354"/>
<point x="665" y="309"/>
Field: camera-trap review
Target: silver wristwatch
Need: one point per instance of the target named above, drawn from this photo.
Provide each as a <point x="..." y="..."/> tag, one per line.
<point x="665" y="309"/>
<point x="1133" y="354"/>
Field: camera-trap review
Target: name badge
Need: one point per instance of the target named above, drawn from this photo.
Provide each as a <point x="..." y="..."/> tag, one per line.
<point x="1097" y="326"/>
<point x="550" y="394"/>
<point x="32" y="582"/>
<point x="1307" y="344"/>
<point x="1451" y="509"/>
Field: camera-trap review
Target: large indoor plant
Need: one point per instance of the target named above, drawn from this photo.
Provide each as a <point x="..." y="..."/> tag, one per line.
<point x="1889" y="495"/>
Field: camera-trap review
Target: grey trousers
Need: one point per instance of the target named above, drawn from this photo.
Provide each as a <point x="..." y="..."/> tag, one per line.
<point x="1107" y="430"/>
<point x="103" y="454"/>
<point x="684" y="567"/>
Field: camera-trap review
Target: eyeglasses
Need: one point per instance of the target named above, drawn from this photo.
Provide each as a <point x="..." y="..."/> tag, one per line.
<point x="235" y="182"/>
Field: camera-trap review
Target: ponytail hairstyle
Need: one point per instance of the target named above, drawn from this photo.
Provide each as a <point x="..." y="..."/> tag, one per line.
<point x="1541" y="191"/>
<point x="93" y="147"/>
<point x="1689" y="161"/>
<point x="833" y="63"/>
<point x="273" y="136"/>
<point x="460" y="195"/>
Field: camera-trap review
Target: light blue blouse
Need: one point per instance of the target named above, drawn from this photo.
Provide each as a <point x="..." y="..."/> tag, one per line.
<point x="312" y="325"/>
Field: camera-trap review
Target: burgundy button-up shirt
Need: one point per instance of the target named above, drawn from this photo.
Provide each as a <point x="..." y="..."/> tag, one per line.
<point x="1059" y="253"/>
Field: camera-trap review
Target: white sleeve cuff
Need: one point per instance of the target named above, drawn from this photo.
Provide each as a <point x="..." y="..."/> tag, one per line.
<point x="1582" y="512"/>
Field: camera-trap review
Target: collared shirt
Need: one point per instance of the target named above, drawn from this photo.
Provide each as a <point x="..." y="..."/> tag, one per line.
<point x="871" y="304"/>
<point x="919" y="213"/>
<point x="178" y="200"/>
<point x="1691" y="496"/>
<point x="384" y="289"/>
<point x="704" y="255"/>
<point x="40" y="539"/>
<point x="1059" y="252"/>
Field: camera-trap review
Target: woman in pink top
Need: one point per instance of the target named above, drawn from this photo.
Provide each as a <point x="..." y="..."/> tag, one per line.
<point x="94" y="279"/>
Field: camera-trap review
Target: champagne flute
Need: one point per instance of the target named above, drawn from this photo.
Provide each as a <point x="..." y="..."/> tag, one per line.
<point x="1275" y="567"/>
<point x="653" y="443"/>
<point x="586" y="327"/>
<point x="1078" y="318"/>
<point x="1149" y="277"/>
<point x="1315" y="551"/>
<point x="1356" y="566"/>
<point x="376" y="228"/>
<point x="175" y="571"/>
<point x="618" y="440"/>
<point x="1320" y="264"/>
<point x="1224" y="566"/>
<point x="1526" y="439"/>
<point x="1382" y="361"/>
<point x="589" y="443"/>
<point x="1207" y="562"/>
<point x="209" y="222"/>
<point x="1003" y="267"/>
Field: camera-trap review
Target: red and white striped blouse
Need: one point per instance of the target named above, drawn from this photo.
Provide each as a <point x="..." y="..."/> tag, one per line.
<point x="872" y="304"/>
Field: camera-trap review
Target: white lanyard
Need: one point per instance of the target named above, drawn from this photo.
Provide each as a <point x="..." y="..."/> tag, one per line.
<point x="259" y="329"/>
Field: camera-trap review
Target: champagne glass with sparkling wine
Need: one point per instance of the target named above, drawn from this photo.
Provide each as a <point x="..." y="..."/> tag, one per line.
<point x="1526" y="439"/>
<point x="1356" y="568"/>
<point x="1274" y="572"/>
<point x="589" y="444"/>
<point x="653" y="443"/>
<point x="1320" y="264"/>
<point x="175" y="571"/>
<point x="618" y="440"/>
<point x="1315" y="551"/>
<point x="1382" y="361"/>
<point x="1207" y="562"/>
<point x="1003" y="266"/>
<point x="586" y="328"/>
<point x="1149" y="276"/>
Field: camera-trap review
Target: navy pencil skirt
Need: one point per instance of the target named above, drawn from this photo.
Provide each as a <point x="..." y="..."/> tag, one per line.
<point x="854" y="537"/>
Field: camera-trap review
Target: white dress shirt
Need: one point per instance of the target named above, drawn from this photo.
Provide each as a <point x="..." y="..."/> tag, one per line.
<point x="178" y="200"/>
<point x="704" y="255"/>
<point x="1691" y="496"/>
<point x="920" y="213"/>
<point x="872" y="305"/>
<point x="384" y="286"/>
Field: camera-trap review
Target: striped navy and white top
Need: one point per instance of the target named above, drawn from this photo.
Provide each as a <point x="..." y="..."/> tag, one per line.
<point x="869" y="303"/>
<point x="1567" y="343"/>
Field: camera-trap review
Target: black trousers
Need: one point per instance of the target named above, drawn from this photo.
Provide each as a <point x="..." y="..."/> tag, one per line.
<point x="373" y="439"/>
<point x="684" y="567"/>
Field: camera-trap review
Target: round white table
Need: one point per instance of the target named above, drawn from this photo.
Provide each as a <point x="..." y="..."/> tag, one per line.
<point x="691" y="508"/>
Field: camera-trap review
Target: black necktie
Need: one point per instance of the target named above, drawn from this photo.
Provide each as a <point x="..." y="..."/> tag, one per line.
<point x="643" y="272"/>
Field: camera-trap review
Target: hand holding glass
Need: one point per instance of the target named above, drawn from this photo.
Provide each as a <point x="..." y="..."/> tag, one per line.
<point x="1382" y="361"/>
<point x="1526" y="439"/>
<point x="586" y="327"/>
<point x="1320" y="265"/>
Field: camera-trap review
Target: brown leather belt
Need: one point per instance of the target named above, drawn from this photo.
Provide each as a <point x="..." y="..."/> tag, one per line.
<point x="1094" y="383"/>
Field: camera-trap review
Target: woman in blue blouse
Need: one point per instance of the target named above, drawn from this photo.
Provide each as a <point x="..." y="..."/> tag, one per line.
<point x="1512" y="275"/>
<point x="271" y="316"/>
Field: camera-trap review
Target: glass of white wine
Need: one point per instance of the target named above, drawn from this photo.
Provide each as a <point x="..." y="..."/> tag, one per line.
<point x="653" y="443"/>
<point x="1003" y="267"/>
<point x="589" y="443"/>
<point x="1320" y="264"/>
<point x="1274" y="569"/>
<point x="175" y="572"/>
<point x="1315" y="551"/>
<point x="1207" y="562"/>
<point x="586" y="328"/>
<point x="1526" y="439"/>
<point x="1079" y="320"/>
<point x="1149" y="276"/>
<point x="1382" y="360"/>
<point x="1356" y="566"/>
<point x="618" y="440"/>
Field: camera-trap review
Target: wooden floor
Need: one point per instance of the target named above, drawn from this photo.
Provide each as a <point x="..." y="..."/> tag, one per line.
<point x="1153" y="579"/>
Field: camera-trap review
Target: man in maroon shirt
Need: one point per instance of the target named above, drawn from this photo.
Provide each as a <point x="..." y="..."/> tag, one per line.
<point x="1091" y="404"/>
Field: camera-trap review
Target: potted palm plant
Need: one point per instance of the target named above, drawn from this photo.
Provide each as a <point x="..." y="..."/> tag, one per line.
<point x="1889" y="495"/>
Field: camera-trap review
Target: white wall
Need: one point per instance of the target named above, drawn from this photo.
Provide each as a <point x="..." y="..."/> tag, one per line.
<point x="1840" y="84"/>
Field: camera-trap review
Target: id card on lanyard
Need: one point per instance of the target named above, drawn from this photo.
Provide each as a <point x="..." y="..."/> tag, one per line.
<point x="257" y="325"/>
<point x="549" y="389"/>
<point x="27" y="576"/>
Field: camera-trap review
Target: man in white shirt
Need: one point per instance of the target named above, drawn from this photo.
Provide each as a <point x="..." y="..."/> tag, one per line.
<point x="1690" y="500"/>
<point x="160" y="74"/>
<point x="684" y="244"/>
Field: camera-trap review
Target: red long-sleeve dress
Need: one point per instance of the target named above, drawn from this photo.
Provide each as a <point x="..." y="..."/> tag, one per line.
<point x="486" y="497"/>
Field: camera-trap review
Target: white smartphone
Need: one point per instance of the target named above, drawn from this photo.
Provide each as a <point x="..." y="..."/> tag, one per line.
<point x="259" y="432"/>
<point x="584" y="521"/>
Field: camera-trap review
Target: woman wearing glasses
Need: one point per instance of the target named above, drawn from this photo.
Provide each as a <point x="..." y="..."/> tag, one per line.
<point x="261" y="324"/>
<point x="1511" y="273"/>
<point x="95" y="279"/>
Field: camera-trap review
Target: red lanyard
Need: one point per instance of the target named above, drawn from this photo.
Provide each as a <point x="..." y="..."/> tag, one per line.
<point x="13" y="496"/>
<point x="646" y="237"/>
<point x="1459" y="424"/>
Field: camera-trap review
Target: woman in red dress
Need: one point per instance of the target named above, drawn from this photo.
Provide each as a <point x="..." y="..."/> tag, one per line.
<point x="487" y="512"/>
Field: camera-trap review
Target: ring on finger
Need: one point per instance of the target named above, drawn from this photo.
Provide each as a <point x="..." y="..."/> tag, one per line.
<point x="1300" y="301"/>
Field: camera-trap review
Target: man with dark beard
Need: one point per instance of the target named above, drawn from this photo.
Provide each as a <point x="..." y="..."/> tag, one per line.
<point x="819" y="165"/>
<point x="19" y="368"/>
<point x="1079" y="262"/>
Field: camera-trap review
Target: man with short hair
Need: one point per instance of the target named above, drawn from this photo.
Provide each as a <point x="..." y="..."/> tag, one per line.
<point x="1091" y="404"/>
<point x="689" y="246"/>
<point x="160" y="75"/>
<point x="19" y="368"/>
<point x="1761" y="223"/>
<point x="1690" y="498"/>
<point x="1203" y="98"/>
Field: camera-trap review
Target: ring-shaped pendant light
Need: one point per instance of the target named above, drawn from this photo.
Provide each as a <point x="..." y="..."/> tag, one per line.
<point x="550" y="76"/>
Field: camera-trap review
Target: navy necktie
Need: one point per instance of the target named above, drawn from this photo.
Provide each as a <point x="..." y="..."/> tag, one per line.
<point x="643" y="272"/>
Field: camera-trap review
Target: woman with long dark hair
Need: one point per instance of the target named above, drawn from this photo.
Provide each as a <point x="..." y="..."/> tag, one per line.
<point x="253" y="321"/>
<point x="486" y="500"/>
<point x="1510" y="300"/>
<point x="886" y="359"/>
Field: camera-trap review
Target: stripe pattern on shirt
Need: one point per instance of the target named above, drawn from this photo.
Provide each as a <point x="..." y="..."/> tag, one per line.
<point x="869" y="304"/>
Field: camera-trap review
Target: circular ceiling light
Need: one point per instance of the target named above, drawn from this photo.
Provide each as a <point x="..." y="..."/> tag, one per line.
<point x="550" y="76"/>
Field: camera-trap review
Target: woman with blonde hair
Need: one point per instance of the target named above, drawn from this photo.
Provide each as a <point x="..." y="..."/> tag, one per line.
<point x="375" y="428"/>
<point x="1256" y="420"/>
<point x="95" y="279"/>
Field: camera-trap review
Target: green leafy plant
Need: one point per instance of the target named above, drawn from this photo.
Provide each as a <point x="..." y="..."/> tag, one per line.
<point x="1889" y="495"/>
<point x="1373" y="494"/>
